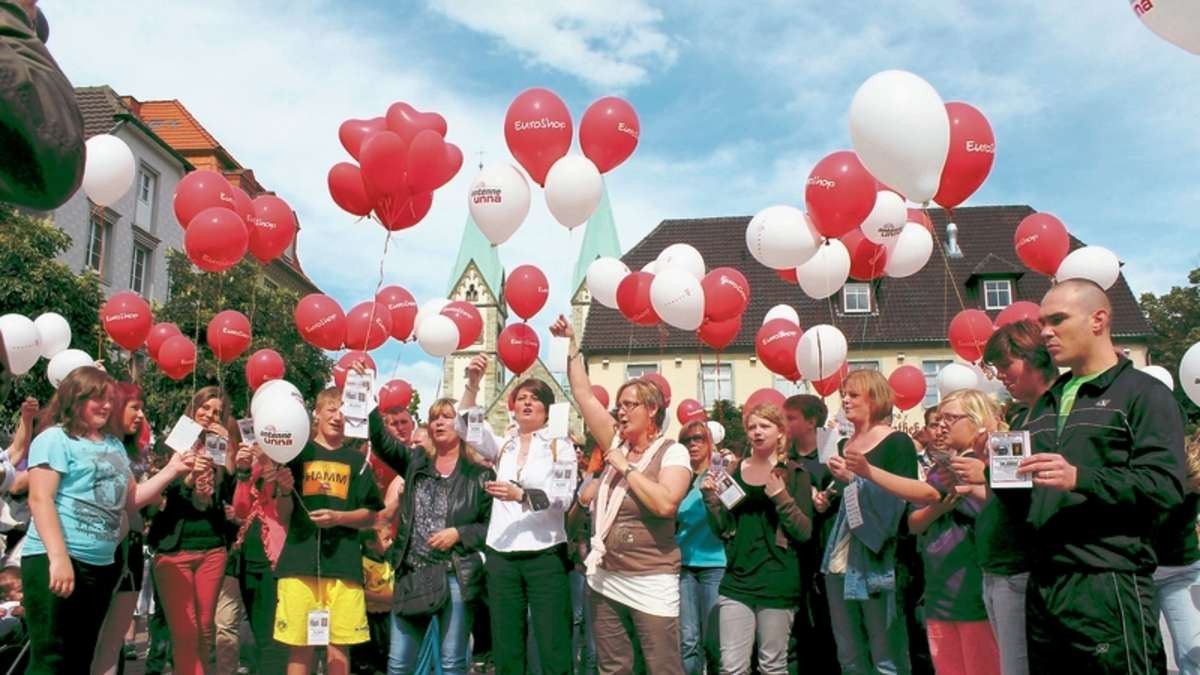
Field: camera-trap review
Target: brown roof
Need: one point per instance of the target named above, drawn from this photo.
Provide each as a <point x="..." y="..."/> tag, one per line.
<point x="100" y="107"/>
<point x="916" y="309"/>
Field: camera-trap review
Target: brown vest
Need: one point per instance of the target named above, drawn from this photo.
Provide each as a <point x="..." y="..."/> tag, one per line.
<point x="640" y="542"/>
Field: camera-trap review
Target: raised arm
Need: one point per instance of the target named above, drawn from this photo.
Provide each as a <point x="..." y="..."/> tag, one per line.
<point x="149" y="490"/>
<point x="597" y="419"/>
<point x="24" y="433"/>
<point x="489" y="443"/>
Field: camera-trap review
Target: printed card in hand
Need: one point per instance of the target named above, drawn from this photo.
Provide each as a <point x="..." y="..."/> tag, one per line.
<point x="246" y="430"/>
<point x="184" y="435"/>
<point x="1006" y="451"/>
<point x="356" y="395"/>
<point x="475" y="426"/>
<point x="217" y="448"/>
<point x="728" y="490"/>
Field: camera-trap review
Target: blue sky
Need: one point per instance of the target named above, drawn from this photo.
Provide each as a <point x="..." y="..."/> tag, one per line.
<point x="1094" y="115"/>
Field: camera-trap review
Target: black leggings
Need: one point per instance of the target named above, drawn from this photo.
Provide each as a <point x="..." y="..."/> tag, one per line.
<point x="63" y="631"/>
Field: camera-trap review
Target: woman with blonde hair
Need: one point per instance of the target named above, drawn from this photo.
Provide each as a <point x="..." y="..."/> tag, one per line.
<point x="764" y="530"/>
<point x="633" y="567"/>
<point x="703" y="559"/>
<point x="961" y="639"/>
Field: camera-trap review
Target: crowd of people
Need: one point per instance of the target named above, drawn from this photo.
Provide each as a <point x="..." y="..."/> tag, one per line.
<point x="430" y="545"/>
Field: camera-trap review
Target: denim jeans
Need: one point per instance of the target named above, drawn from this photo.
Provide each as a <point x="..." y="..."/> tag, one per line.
<point x="871" y="634"/>
<point x="583" y="643"/>
<point x="1178" y="590"/>
<point x="698" y="593"/>
<point x="1004" y="597"/>
<point x="454" y="633"/>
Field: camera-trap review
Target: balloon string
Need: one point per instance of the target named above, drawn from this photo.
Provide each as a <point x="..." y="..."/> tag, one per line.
<point x="258" y="272"/>
<point x="945" y="258"/>
<point x="196" y="335"/>
<point x="379" y="285"/>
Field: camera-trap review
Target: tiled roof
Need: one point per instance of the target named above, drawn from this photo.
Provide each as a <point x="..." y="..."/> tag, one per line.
<point x="176" y="126"/>
<point x="100" y="107"/>
<point x="916" y="309"/>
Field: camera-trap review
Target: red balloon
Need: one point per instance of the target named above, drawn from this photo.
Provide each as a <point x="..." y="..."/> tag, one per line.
<point x="397" y="215"/>
<point x="343" y="365"/>
<point x="526" y="291"/>
<point x="177" y="357"/>
<point x="216" y="239"/>
<point x="608" y="132"/>
<point x="200" y="190"/>
<point x="320" y="321"/>
<point x="352" y="133"/>
<point x="663" y="386"/>
<point x="718" y="334"/>
<point x="726" y="294"/>
<point x="368" y="325"/>
<point x="832" y="383"/>
<point x="274" y="228"/>
<point x="633" y="299"/>
<point x="920" y="217"/>
<point x="403" y="308"/>
<point x="407" y="121"/>
<point x="764" y="396"/>
<point x="969" y="332"/>
<point x="1042" y="242"/>
<point x="395" y="396"/>
<point x="262" y="366"/>
<point x="228" y="335"/>
<point x="788" y="275"/>
<point x="1021" y="310"/>
<point x="840" y="193"/>
<point x="517" y="347"/>
<point x="127" y="319"/>
<point x="775" y="345"/>
<point x="601" y="395"/>
<point x="432" y="162"/>
<point x="348" y="190"/>
<point x="867" y="259"/>
<point x="538" y="131"/>
<point x="243" y="206"/>
<point x="467" y="318"/>
<point x="159" y="333"/>
<point x="690" y="410"/>
<point x="384" y="163"/>
<point x="969" y="159"/>
<point x="908" y="386"/>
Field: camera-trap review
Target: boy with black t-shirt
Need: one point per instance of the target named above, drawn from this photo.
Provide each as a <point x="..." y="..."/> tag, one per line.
<point x="321" y="600"/>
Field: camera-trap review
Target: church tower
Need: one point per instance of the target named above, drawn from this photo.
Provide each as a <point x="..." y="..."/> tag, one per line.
<point x="599" y="240"/>
<point x="477" y="277"/>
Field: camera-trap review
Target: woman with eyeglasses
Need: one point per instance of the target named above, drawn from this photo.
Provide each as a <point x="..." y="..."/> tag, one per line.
<point x="702" y="557"/>
<point x="633" y="567"/>
<point x="956" y="620"/>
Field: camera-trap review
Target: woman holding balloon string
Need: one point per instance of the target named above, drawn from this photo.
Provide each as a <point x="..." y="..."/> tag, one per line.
<point x="633" y="567"/>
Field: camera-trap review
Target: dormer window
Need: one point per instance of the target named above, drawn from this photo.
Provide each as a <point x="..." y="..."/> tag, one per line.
<point x="856" y="298"/>
<point x="997" y="293"/>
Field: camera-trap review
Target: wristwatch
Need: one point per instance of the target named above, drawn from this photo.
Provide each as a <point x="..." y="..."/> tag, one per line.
<point x="628" y="468"/>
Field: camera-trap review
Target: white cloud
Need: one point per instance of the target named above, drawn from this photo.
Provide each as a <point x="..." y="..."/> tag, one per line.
<point x="608" y="45"/>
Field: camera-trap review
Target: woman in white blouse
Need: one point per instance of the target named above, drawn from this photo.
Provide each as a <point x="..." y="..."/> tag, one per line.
<point x="527" y="562"/>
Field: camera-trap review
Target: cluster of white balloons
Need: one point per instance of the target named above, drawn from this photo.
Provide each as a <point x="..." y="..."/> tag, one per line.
<point x="436" y="333"/>
<point x="675" y="292"/>
<point x="499" y="197"/>
<point x="822" y="349"/>
<point x="281" y="422"/>
<point x="108" y="169"/>
<point x="49" y="337"/>
<point x="603" y="277"/>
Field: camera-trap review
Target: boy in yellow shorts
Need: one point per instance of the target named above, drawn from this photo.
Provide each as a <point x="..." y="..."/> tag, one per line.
<point x="321" y="601"/>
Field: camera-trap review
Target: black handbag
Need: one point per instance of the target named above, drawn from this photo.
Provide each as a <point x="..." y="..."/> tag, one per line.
<point x="421" y="592"/>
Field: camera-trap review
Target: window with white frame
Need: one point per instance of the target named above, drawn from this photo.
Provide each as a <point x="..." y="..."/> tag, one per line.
<point x="716" y="383"/>
<point x="863" y="364"/>
<point x="139" y="269"/>
<point x="147" y="190"/>
<point x="856" y="298"/>
<point x="997" y="293"/>
<point x="99" y="237"/>
<point x="931" y="367"/>
<point x="789" y="388"/>
<point x="635" y="370"/>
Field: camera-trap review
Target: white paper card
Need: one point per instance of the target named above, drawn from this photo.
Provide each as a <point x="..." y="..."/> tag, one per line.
<point x="853" y="511"/>
<point x="475" y="426"/>
<point x="356" y="427"/>
<point x="184" y="435"/>
<point x="562" y="479"/>
<point x="246" y="430"/>
<point x="1006" y="451"/>
<point x="827" y="444"/>
<point x="729" y="491"/>
<point x="557" y="424"/>
<point x="558" y="354"/>
<point x="356" y="395"/>
<point x="217" y="448"/>
<point x="318" y="628"/>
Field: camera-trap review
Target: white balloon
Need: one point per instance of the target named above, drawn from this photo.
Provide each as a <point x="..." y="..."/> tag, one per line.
<point x="1189" y="373"/>
<point x="272" y="388"/>
<point x="1161" y="374"/>
<point x="1176" y="21"/>
<point x="499" y="201"/>
<point x="651" y="267"/>
<point x="573" y="190"/>
<point x="281" y="428"/>
<point x="1094" y="263"/>
<point x="821" y="351"/>
<point x="956" y="376"/>
<point x="782" y="237"/>
<point x="108" y="169"/>
<point x="54" y="333"/>
<point x="886" y="220"/>
<point x="909" y="252"/>
<point x="438" y="336"/>
<point x="427" y="309"/>
<point x="783" y="312"/>
<point x="901" y="132"/>
<point x="22" y="346"/>
<point x="64" y="362"/>
<point x="717" y="431"/>
<point x="825" y="273"/>
<point x="677" y="298"/>
<point x="683" y="256"/>
<point x="603" y="277"/>
<point x="988" y="385"/>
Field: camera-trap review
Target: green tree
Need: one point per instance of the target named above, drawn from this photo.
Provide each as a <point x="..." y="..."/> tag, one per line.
<point x="34" y="282"/>
<point x="195" y="297"/>
<point x="414" y="406"/>
<point x="1175" y="318"/>
<point x="729" y="414"/>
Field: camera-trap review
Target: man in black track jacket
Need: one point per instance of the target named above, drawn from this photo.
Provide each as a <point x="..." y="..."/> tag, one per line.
<point x="1109" y="464"/>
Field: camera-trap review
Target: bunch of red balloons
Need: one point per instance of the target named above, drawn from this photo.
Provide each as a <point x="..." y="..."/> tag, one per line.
<point x="403" y="157"/>
<point x="222" y="223"/>
<point x="526" y="291"/>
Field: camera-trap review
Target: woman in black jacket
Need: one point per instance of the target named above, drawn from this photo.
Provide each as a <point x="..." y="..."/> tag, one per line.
<point x="443" y="525"/>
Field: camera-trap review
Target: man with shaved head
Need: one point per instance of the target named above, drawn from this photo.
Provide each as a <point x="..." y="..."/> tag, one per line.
<point x="1108" y="466"/>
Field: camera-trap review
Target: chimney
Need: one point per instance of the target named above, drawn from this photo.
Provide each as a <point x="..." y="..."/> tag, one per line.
<point x="952" y="249"/>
